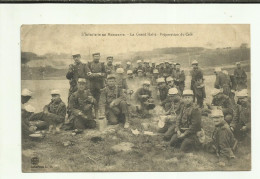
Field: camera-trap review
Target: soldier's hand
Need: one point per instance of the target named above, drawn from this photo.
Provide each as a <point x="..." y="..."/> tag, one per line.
<point x="112" y="104"/>
<point x="244" y="128"/>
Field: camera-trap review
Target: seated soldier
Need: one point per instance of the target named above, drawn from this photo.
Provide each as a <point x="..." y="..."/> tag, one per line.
<point x="116" y="107"/>
<point x="163" y="89"/>
<point x="53" y="113"/>
<point x="223" y="142"/>
<point x="170" y="83"/>
<point x="81" y="105"/>
<point x="171" y="104"/>
<point x="144" y="97"/>
<point x="241" y="125"/>
<point x="188" y="124"/>
<point x="223" y="101"/>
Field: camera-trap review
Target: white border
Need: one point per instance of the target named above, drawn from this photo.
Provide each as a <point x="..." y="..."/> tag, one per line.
<point x="13" y="16"/>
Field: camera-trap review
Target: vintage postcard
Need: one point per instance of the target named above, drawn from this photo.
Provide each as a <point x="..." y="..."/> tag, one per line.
<point x="146" y="97"/>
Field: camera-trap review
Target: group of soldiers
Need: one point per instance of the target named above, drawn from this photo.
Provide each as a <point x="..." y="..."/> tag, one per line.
<point x="99" y="90"/>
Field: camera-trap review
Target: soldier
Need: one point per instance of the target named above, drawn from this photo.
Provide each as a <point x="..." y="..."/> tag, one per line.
<point x="128" y="66"/>
<point x="170" y="105"/>
<point x="179" y="77"/>
<point x="223" y="101"/>
<point x="241" y="124"/>
<point x="81" y="105"/>
<point x="53" y="113"/>
<point x="223" y="81"/>
<point x="155" y="77"/>
<point x="130" y="75"/>
<point x="116" y="107"/>
<point x="76" y="71"/>
<point x="188" y="124"/>
<point x="27" y="111"/>
<point x="163" y="89"/>
<point x="167" y="71"/>
<point x="170" y="83"/>
<point x="223" y="142"/>
<point x="109" y="67"/>
<point x="240" y="77"/>
<point x="147" y="69"/>
<point x="197" y="84"/>
<point x="144" y="97"/>
<point x="96" y="73"/>
<point x="138" y="71"/>
<point x="120" y="79"/>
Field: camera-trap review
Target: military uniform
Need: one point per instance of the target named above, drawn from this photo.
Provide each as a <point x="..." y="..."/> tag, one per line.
<point x="96" y="79"/>
<point x="241" y="78"/>
<point x="163" y="92"/>
<point x="197" y="86"/>
<point x="223" y="82"/>
<point x="227" y="107"/>
<point x="144" y="101"/>
<point x="167" y="71"/>
<point x="242" y="117"/>
<point x="138" y="68"/>
<point x="179" y="79"/>
<point x="109" y="69"/>
<point x="189" y="123"/>
<point x="81" y="105"/>
<point x="121" y="82"/>
<point x="76" y="71"/>
<point x="116" y="107"/>
<point x="56" y="112"/>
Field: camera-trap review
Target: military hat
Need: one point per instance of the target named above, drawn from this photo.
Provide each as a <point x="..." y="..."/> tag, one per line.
<point x="120" y="70"/>
<point x="139" y="70"/>
<point x="95" y="54"/>
<point x="139" y="61"/>
<point x="194" y="62"/>
<point x="215" y="91"/>
<point x="29" y="108"/>
<point x="128" y="63"/>
<point x="177" y="64"/>
<point x="110" y="57"/>
<point x="55" y="91"/>
<point x="146" y="82"/>
<point x="81" y="80"/>
<point x="225" y="72"/>
<point x="155" y="71"/>
<point x="76" y="55"/>
<point x="26" y="92"/>
<point x="242" y="93"/>
<point x="216" y="113"/>
<point x="169" y="79"/>
<point x="217" y="69"/>
<point x="173" y="91"/>
<point x="238" y="63"/>
<point x="160" y="80"/>
<point x="174" y="63"/>
<point x="187" y="93"/>
<point x="110" y="76"/>
<point x="129" y="72"/>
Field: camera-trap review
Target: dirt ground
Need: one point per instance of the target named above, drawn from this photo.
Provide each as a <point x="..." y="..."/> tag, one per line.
<point x="147" y="153"/>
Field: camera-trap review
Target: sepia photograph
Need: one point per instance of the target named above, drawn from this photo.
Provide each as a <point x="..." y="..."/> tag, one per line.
<point x="135" y="97"/>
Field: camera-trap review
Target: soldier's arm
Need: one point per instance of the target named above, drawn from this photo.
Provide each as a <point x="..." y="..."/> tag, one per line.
<point x="195" y="122"/>
<point x="62" y="110"/>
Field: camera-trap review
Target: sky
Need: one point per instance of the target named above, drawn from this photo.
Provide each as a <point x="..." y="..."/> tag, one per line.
<point x="42" y="39"/>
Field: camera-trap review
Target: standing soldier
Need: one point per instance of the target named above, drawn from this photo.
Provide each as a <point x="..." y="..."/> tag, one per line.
<point x="76" y="71"/>
<point x="96" y="73"/>
<point x="163" y="89"/>
<point x="241" y="77"/>
<point x="179" y="77"/>
<point x="167" y="71"/>
<point x="116" y="107"/>
<point x="241" y="124"/>
<point x="144" y="97"/>
<point x="110" y="67"/>
<point x="222" y="81"/>
<point x="120" y="79"/>
<point x="197" y="84"/>
<point x="81" y="104"/>
<point x="188" y="124"/>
